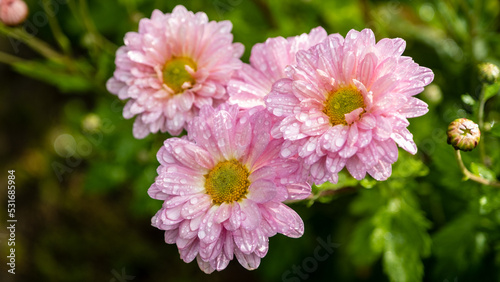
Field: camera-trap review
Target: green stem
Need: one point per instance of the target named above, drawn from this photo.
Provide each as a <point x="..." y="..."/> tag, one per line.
<point x="9" y="59"/>
<point x="60" y="37"/>
<point x="101" y="41"/>
<point x="470" y="175"/>
<point x="480" y="118"/>
<point x="34" y="43"/>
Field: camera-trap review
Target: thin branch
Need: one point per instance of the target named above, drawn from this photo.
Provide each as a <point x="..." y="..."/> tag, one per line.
<point x="480" y="117"/>
<point x="470" y="175"/>
<point x="60" y="37"/>
<point x="323" y="193"/>
<point x="34" y="43"/>
<point x="9" y="59"/>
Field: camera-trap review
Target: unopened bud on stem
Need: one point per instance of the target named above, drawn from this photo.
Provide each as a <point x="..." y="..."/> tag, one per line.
<point x="463" y="134"/>
<point x="488" y="73"/>
<point x="13" y="12"/>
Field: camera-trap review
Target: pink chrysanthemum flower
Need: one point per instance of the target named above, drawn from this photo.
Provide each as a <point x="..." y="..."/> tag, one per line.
<point x="346" y="104"/>
<point x="267" y="64"/>
<point x="175" y="64"/>
<point x="223" y="188"/>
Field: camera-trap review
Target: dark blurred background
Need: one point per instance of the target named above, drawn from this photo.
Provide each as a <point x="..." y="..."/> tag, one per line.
<point x="81" y="178"/>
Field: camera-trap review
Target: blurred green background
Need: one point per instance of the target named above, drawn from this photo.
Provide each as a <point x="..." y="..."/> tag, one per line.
<point x="82" y="205"/>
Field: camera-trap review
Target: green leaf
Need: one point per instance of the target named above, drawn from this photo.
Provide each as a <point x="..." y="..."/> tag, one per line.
<point x="401" y="232"/>
<point x="406" y="242"/>
<point x="491" y="90"/>
<point x="457" y="246"/>
<point x="368" y="182"/>
<point x="468" y="100"/>
<point x="495" y="129"/>
<point x="483" y="171"/>
<point x="408" y="166"/>
<point x="395" y="228"/>
<point x="359" y="247"/>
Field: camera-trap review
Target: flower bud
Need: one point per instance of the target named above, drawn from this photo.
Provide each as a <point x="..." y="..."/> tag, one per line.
<point x="463" y="134"/>
<point x="488" y="73"/>
<point x="13" y="12"/>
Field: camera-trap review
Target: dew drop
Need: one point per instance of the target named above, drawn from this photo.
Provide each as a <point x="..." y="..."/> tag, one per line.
<point x="277" y="112"/>
<point x="310" y="147"/>
<point x="339" y="142"/>
<point x="286" y="152"/>
<point x="201" y="234"/>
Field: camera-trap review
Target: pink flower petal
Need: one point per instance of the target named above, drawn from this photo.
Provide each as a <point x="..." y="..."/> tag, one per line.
<point x="204" y="265"/>
<point x="284" y="219"/>
<point x="196" y="205"/>
<point x="245" y="241"/>
<point x="209" y="230"/>
<point x="381" y="171"/>
<point x="356" y="168"/>
<point x="414" y="108"/>
<point x="248" y="261"/>
<point x="404" y="139"/>
<point x="261" y="191"/>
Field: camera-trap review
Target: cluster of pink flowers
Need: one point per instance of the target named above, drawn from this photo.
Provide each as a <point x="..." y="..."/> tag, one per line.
<point x="259" y="134"/>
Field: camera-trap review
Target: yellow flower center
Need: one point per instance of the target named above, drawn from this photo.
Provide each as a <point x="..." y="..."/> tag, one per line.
<point x="341" y="102"/>
<point x="175" y="74"/>
<point x="227" y="182"/>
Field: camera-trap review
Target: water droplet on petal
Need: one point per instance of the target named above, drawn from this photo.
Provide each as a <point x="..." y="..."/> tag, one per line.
<point x="311" y="147"/>
<point x="339" y="142"/>
<point x="201" y="234"/>
<point x="285" y="153"/>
